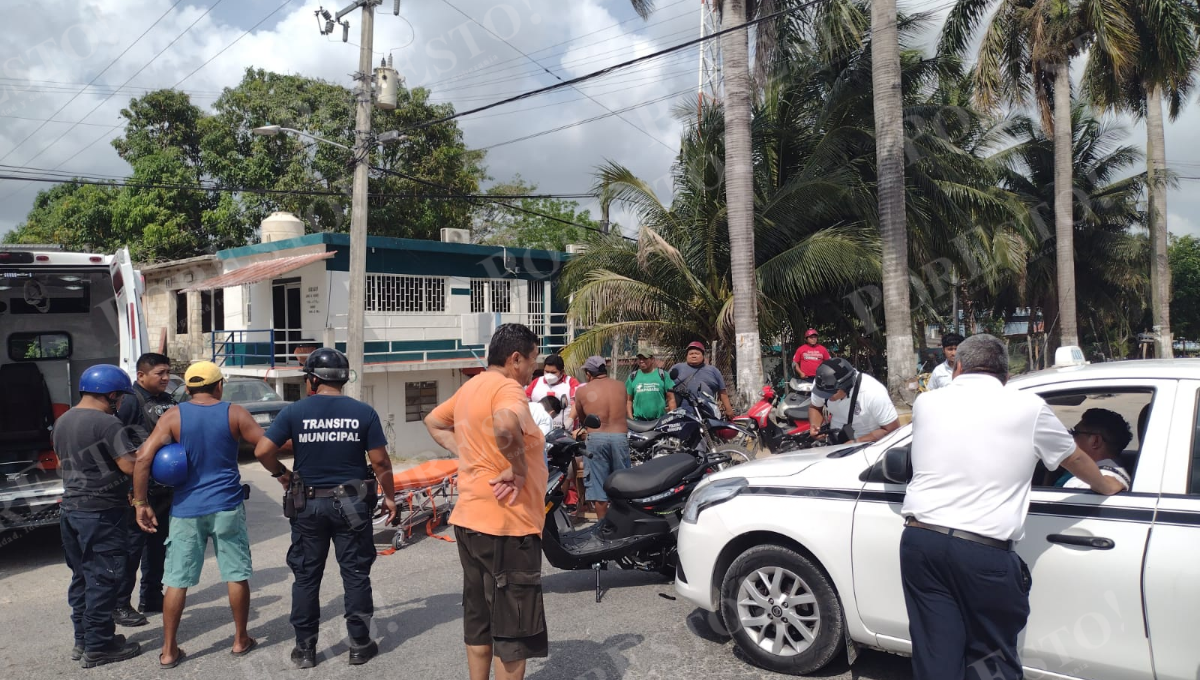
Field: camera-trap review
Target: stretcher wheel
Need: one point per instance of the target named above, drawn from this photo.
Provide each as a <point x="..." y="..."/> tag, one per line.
<point x="398" y="541"/>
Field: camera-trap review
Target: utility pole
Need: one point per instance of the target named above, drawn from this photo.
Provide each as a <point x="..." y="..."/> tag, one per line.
<point x="355" y="316"/>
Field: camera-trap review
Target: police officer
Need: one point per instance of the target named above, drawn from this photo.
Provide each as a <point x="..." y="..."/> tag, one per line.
<point x="975" y="446"/>
<point x="333" y="437"/>
<point x="860" y="409"/>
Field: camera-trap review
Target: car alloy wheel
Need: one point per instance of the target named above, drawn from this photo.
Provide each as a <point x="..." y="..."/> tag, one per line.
<point x="782" y="610"/>
<point x="779" y="611"/>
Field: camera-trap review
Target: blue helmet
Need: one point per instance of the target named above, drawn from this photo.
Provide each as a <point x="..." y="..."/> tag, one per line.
<point x="105" y="379"/>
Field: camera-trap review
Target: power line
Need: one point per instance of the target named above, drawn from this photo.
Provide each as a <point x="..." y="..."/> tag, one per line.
<point x="615" y="67"/>
<point x="223" y="49"/>
<point x="589" y="120"/>
<point x="93" y="80"/>
<point x="556" y="76"/>
<point x="127" y="81"/>
<point x="488" y="69"/>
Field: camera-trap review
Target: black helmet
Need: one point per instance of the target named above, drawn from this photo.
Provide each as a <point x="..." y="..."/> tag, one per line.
<point x="833" y="375"/>
<point x="328" y="364"/>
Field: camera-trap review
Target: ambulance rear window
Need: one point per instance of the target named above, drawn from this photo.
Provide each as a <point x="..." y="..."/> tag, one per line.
<point x="39" y="346"/>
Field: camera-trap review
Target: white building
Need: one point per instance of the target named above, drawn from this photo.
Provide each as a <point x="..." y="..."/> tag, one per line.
<point x="284" y="298"/>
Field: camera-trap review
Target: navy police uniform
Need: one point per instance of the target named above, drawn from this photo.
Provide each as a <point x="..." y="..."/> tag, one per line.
<point x="331" y="436"/>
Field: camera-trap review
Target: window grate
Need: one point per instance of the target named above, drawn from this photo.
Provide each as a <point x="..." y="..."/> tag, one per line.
<point x="491" y="295"/>
<point x="420" y="398"/>
<point x="391" y="293"/>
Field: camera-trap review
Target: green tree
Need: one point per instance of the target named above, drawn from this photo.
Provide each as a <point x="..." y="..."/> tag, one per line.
<point x="1025" y="56"/>
<point x="1185" y="277"/>
<point x="74" y="214"/>
<point x="1163" y="69"/>
<point x="499" y="226"/>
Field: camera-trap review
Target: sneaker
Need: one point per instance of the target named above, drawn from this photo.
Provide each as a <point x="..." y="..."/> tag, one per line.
<point x="362" y="654"/>
<point x="127" y="616"/>
<point x="304" y="657"/>
<point x="117" y="651"/>
<point x="77" y="650"/>
<point x="151" y="607"/>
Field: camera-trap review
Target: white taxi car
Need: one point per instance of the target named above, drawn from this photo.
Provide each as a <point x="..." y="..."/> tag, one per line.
<point x="799" y="554"/>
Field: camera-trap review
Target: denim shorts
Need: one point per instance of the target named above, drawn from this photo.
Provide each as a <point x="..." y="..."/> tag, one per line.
<point x="607" y="453"/>
<point x="189" y="537"/>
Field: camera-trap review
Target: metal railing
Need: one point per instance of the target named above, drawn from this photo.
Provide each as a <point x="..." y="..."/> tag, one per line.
<point x="268" y="348"/>
<point x="265" y="348"/>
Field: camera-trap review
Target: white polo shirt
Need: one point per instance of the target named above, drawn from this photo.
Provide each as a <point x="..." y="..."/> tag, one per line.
<point x="873" y="410"/>
<point x="975" y="446"/>
<point x="941" y="376"/>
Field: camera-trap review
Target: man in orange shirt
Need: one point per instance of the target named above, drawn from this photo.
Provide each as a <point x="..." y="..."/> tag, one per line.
<point x="499" y="516"/>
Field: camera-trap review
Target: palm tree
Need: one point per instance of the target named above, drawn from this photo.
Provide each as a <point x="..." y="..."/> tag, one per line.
<point x="889" y="150"/>
<point x="1025" y="54"/>
<point x="1110" y="251"/>
<point x="739" y="186"/>
<point x="1163" y="69"/>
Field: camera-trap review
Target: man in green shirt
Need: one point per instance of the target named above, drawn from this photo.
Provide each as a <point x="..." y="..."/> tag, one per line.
<point x="649" y="390"/>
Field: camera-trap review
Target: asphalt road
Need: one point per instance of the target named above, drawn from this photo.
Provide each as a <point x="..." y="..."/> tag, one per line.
<point x="633" y="633"/>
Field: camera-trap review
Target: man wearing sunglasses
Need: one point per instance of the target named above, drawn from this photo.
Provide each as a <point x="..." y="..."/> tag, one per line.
<point x="1102" y="435"/>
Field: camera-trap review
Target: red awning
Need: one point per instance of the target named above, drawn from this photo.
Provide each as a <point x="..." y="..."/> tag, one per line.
<point x="259" y="271"/>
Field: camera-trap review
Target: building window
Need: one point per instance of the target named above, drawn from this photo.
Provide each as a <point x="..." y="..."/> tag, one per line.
<point x="420" y="398"/>
<point x="181" y="313"/>
<point x="491" y="295"/>
<point x="408" y="294"/>
<point x="212" y="305"/>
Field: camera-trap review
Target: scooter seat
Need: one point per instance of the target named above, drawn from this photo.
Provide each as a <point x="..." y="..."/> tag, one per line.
<point x="640" y="425"/>
<point x="650" y="477"/>
<point x="796" y="413"/>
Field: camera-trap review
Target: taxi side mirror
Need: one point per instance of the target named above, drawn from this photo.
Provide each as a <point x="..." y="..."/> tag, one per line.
<point x="897" y="464"/>
<point x="592" y="421"/>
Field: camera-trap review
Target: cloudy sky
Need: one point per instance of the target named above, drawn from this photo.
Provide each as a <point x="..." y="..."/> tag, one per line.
<point x="51" y="121"/>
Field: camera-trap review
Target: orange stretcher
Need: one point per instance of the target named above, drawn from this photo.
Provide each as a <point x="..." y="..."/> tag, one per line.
<point x="425" y="493"/>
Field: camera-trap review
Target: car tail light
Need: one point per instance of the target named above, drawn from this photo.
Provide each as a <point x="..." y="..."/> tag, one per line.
<point x="48" y="461"/>
<point x="42" y="258"/>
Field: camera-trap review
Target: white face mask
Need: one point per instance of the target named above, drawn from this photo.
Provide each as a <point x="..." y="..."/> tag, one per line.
<point x="551" y="378"/>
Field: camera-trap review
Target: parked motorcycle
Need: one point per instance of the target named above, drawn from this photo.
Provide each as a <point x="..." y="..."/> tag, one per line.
<point x="700" y="430"/>
<point x="645" y="506"/>
<point x="781" y="423"/>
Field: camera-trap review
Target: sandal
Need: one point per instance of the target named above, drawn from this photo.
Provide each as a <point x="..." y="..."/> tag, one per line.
<point x="174" y="663"/>
<point x="247" y="650"/>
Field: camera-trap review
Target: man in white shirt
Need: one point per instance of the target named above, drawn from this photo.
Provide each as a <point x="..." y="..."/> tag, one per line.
<point x="838" y="385"/>
<point x="544" y="413"/>
<point x="1102" y="435"/>
<point x="943" y="373"/>
<point x="975" y="447"/>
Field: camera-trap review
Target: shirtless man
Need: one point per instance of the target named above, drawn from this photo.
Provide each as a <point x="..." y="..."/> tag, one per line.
<point x="608" y="445"/>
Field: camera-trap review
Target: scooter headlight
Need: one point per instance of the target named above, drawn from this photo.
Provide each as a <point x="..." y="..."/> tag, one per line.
<point x="712" y="494"/>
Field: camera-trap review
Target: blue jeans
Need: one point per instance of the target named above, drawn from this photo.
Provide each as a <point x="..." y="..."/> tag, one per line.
<point x="150" y="552"/>
<point x="95" y="547"/>
<point x="607" y="453"/>
<point x="321" y="522"/>
<point x="967" y="604"/>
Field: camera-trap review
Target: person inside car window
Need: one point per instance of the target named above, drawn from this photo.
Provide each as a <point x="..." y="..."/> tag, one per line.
<point x="1102" y="435"/>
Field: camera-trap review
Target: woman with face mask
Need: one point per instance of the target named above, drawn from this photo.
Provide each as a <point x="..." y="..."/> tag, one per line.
<point x="554" y="382"/>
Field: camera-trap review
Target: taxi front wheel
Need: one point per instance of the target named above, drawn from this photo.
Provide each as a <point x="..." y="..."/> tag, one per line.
<point x="782" y="610"/>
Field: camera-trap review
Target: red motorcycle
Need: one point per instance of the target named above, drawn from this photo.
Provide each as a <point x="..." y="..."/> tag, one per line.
<point x="781" y="423"/>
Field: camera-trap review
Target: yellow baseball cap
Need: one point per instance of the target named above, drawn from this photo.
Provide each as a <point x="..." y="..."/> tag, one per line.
<point x="202" y="373"/>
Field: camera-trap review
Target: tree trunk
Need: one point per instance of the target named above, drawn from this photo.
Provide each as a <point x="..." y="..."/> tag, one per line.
<point x="739" y="199"/>
<point x="889" y="153"/>
<point x="1160" y="267"/>
<point x="1064" y="218"/>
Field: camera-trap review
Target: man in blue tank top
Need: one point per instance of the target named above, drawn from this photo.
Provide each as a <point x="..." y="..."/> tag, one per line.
<point x="208" y="505"/>
<point x="334" y="436"/>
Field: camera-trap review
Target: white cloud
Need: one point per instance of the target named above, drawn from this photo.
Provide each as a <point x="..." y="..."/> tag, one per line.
<point x="1182" y="226"/>
<point x="433" y="46"/>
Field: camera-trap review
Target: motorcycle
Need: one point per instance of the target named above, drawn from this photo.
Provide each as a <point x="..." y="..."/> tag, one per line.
<point x="700" y="430"/>
<point x="645" y="506"/>
<point x="781" y="424"/>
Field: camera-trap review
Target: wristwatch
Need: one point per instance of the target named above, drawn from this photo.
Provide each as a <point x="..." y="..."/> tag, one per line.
<point x="279" y="474"/>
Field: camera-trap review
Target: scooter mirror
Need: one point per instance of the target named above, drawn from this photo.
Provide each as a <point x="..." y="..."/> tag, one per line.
<point x="591" y="422"/>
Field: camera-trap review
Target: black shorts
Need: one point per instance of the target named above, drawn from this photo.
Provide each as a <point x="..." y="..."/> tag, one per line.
<point x="502" y="594"/>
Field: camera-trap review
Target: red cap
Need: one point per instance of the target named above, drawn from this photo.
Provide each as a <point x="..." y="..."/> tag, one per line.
<point x="811" y="331"/>
<point x="697" y="345"/>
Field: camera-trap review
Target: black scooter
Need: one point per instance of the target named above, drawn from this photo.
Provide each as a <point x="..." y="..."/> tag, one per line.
<point x="645" y="506"/>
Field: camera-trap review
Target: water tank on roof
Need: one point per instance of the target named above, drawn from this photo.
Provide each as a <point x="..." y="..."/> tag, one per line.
<point x="281" y="225"/>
